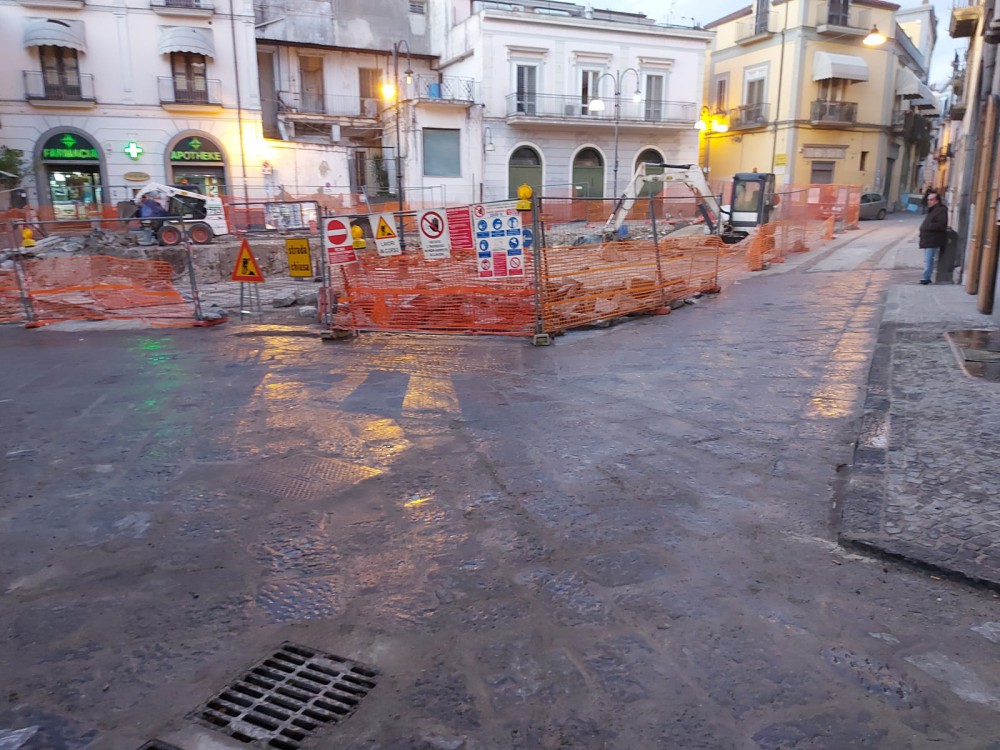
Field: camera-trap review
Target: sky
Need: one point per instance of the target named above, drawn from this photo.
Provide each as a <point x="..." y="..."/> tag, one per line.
<point x="689" y="12"/>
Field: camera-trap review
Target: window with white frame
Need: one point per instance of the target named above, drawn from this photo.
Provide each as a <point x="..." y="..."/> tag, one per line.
<point x="754" y="85"/>
<point x="442" y="152"/>
<point x="655" y="94"/>
<point x="589" y="88"/>
<point x="526" y="86"/>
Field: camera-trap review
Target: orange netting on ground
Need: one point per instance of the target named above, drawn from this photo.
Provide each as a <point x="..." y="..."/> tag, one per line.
<point x="100" y="287"/>
<point x="408" y="293"/>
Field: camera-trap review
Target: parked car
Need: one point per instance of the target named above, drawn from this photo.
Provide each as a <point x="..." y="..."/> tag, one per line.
<point x="873" y="206"/>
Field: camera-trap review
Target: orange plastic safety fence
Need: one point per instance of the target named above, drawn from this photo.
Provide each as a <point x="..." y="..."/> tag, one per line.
<point x="586" y="284"/>
<point x="11" y="309"/>
<point x="408" y="293"/>
<point x="100" y="287"/>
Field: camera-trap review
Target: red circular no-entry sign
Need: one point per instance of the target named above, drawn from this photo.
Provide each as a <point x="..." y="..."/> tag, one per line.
<point x="337" y="233"/>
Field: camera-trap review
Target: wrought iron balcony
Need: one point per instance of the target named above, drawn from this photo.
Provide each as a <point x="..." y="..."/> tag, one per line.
<point x="444" y="89"/>
<point x="330" y="105"/>
<point x="197" y="91"/>
<point x="556" y="108"/>
<point x="183" y="7"/>
<point x="748" y="116"/>
<point x="757" y="27"/>
<point x="52" y="87"/>
<point x="844" y="113"/>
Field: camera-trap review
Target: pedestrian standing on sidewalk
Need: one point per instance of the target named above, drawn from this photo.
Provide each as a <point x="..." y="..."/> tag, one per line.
<point x="933" y="233"/>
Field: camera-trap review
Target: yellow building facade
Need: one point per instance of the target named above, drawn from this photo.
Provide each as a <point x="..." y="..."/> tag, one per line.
<point x="794" y="88"/>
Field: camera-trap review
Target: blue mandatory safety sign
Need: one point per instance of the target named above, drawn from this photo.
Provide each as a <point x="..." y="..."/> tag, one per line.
<point x="514" y="222"/>
<point x="528" y="235"/>
<point x="498" y="223"/>
<point x="484" y="245"/>
<point x="482" y="226"/>
<point x="514" y="242"/>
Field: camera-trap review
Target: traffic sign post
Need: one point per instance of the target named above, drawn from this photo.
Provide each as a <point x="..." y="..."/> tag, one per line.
<point x="338" y="242"/>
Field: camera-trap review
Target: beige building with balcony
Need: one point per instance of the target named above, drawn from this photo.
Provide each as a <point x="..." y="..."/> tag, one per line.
<point x="792" y="89"/>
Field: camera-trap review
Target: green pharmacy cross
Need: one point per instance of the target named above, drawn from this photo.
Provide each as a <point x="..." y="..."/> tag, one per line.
<point x="133" y="149"/>
<point x="68" y="141"/>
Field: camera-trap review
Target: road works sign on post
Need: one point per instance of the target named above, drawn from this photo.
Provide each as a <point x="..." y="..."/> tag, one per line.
<point x="384" y="232"/>
<point x="246" y="268"/>
<point x="434" y="239"/>
<point x="299" y="258"/>
<point x="499" y="240"/>
<point x="338" y="242"/>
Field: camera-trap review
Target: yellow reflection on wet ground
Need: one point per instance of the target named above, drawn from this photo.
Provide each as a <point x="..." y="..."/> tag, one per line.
<point x="416" y="502"/>
<point x="842" y="385"/>
<point x="430" y="394"/>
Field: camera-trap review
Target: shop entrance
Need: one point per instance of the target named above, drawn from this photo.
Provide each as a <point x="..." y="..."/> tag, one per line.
<point x="72" y="169"/>
<point x="199" y="162"/>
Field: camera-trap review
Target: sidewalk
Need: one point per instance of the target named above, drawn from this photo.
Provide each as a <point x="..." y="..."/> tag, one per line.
<point x="925" y="483"/>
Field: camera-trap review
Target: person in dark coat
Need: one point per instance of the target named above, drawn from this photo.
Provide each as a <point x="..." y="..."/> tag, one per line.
<point x="933" y="233"/>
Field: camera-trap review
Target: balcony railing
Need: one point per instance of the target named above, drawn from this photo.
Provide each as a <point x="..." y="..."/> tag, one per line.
<point x="560" y="107"/>
<point x="442" y="88"/>
<point x="340" y="105"/>
<point x="207" y="91"/>
<point x="74" y="87"/>
<point x="205" y="5"/>
<point x="858" y="19"/>
<point x="757" y="26"/>
<point x="839" y="112"/>
<point x="748" y="116"/>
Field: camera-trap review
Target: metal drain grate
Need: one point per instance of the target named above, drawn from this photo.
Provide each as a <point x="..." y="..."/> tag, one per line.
<point x="282" y="700"/>
<point x="304" y="477"/>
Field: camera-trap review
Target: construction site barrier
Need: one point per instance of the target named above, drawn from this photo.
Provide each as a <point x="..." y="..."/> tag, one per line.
<point x="95" y="287"/>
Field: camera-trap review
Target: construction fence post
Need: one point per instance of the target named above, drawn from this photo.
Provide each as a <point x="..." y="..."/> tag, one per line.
<point x="541" y="338"/>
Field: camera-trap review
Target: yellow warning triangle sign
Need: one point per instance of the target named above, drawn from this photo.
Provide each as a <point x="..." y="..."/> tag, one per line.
<point x="384" y="231"/>
<point x="246" y="268"/>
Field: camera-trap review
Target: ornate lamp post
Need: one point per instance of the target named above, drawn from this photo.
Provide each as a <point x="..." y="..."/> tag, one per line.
<point x="596" y="105"/>
<point x="390" y="90"/>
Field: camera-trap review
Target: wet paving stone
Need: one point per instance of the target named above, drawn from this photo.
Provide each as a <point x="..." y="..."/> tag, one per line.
<point x="305" y="599"/>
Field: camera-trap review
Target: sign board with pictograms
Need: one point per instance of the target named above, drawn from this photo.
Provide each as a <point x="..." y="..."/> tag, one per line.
<point x="434" y="239"/>
<point x="246" y="268"/>
<point x="384" y="231"/>
<point x="498" y="236"/>
<point x="338" y="242"/>
<point x="299" y="257"/>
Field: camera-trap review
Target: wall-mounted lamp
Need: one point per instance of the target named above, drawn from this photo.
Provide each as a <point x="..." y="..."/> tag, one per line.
<point x="875" y="38"/>
<point x="488" y="140"/>
<point x="715" y="123"/>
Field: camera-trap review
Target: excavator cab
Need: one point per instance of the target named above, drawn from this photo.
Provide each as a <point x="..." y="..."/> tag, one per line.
<point x="753" y="200"/>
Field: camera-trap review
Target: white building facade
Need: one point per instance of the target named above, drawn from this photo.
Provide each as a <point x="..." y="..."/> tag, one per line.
<point x="104" y="98"/>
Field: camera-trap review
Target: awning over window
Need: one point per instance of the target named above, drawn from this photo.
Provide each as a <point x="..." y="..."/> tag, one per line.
<point x="907" y="84"/>
<point x="54" y="32"/>
<point x="926" y="103"/>
<point x="829" y="65"/>
<point x="186" y="39"/>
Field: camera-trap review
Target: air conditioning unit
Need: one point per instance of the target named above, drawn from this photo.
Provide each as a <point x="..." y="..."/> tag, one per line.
<point x="335" y="133"/>
<point x="572" y="110"/>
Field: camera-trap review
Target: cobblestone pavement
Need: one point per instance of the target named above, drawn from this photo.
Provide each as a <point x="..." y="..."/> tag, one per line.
<point x="925" y="483"/>
<point x="625" y="540"/>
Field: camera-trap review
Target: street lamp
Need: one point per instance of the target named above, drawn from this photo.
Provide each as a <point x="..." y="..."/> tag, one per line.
<point x="596" y="105"/>
<point x="390" y="90"/>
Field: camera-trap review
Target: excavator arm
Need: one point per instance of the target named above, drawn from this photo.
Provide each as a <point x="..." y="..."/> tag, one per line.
<point x="688" y="174"/>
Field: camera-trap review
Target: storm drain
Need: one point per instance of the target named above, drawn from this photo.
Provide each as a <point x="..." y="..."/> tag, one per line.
<point x="285" y="698"/>
<point x="978" y="353"/>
